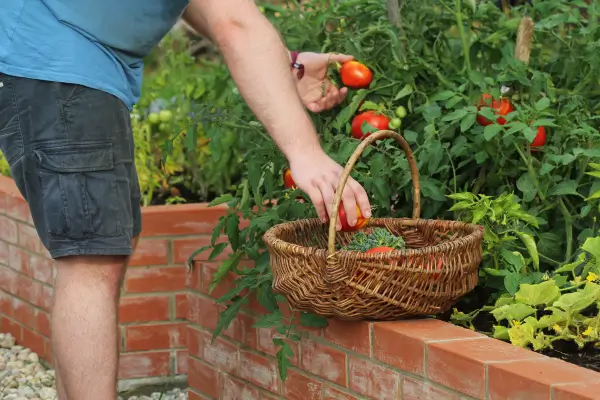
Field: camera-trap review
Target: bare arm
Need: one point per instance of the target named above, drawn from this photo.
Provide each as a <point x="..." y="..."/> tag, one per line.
<point x="260" y="65"/>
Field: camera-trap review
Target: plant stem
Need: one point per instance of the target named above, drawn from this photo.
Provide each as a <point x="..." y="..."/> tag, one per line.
<point x="568" y="228"/>
<point x="463" y="35"/>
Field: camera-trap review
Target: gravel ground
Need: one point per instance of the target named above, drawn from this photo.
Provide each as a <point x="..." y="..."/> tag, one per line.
<point x="22" y="377"/>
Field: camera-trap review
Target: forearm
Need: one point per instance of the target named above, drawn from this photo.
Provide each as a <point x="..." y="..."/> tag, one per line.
<point x="260" y="65"/>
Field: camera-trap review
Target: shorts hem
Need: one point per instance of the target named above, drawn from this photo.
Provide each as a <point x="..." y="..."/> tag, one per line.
<point x="80" y="251"/>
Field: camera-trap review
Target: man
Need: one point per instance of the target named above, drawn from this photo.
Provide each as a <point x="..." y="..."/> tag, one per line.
<point x="69" y="73"/>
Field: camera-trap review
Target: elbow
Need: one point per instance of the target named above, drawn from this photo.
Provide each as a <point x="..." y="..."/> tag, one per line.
<point x="228" y="31"/>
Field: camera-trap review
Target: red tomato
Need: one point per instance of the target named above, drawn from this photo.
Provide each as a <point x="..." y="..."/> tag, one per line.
<point x="380" y="249"/>
<point x="379" y="121"/>
<point x="437" y="268"/>
<point x="287" y="179"/>
<point x="360" y="221"/>
<point x="540" y="138"/>
<point x="501" y="107"/>
<point x="356" y="75"/>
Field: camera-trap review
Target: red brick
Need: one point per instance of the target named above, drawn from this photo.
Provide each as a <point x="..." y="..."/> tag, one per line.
<point x="41" y="269"/>
<point x="268" y="396"/>
<point x="335" y="394"/>
<point x="3" y="253"/>
<point x="533" y="378"/>
<point x="220" y="353"/>
<point x="203" y="378"/>
<point x="41" y="322"/>
<point x="195" y="341"/>
<point x="12" y="327"/>
<point x="193" y="279"/>
<point x="577" y="391"/>
<point x="29" y="239"/>
<point x="181" y="306"/>
<point x="34" y="341"/>
<point x="372" y="380"/>
<point x="155" y="337"/>
<point x="9" y="280"/>
<point x="18" y="260"/>
<point x="353" y="336"/>
<point x="259" y="370"/>
<point x="144" y="309"/>
<point x="145" y="364"/>
<point x="202" y="311"/>
<point x="150" y="252"/>
<point x="234" y="389"/>
<point x="185" y="247"/>
<point x="192" y="395"/>
<point x="324" y="361"/>
<point x="33" y="292"/>
<point x="450" y="362"/>
<point x="154" y="279"/>
<point x="242" y="331"/>
<point x="17" y="208"/>
<point x="183" y="219"/>
<point x="22" y="312"/>
<point x="8" y="230"/>
<point x="419" y="390"/>
<point x="298" y="386"/>
<point x="5" y="300"/>
<point x="181" y="364"/>
<point x="413" y="334"/>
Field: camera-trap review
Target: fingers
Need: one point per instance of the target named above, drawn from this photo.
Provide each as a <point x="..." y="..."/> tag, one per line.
<point x="341" y="58"/>
<point x="362" y="199"/>
<point x="328" y="193"/>
<point x="349" y="204"/>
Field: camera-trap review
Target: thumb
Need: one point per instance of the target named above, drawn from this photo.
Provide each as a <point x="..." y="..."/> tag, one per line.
<point x="338" y="57"/>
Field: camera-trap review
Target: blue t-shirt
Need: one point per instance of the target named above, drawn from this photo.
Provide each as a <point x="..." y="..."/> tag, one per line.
<point x="95" y="43"/>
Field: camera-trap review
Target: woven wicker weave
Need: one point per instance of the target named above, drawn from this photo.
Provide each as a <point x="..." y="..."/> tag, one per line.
<point x="314" y="275"/>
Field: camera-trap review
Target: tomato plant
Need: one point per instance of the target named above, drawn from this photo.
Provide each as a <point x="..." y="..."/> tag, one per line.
<point x="501" y="107"/>
<point x="356" y="75"/>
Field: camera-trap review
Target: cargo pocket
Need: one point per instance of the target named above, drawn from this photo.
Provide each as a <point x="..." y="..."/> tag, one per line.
<point x="79" y="189"/>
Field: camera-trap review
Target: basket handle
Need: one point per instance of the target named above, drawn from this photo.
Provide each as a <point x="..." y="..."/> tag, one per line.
<point x="414" y="172"/>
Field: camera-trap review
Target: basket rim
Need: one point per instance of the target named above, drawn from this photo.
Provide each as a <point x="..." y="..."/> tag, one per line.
<point x="271" y="238"/>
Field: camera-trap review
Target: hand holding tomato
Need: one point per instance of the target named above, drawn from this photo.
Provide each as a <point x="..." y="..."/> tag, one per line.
<point x="318" y="176"/>
<point x="316" y="91"/>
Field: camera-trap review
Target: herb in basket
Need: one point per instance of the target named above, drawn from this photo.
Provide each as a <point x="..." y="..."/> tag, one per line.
<point x="380" y="239"/>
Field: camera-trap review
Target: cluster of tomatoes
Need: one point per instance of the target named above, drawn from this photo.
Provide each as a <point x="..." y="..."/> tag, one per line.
<point x="504" y="107"/>
<point x="356" y="75"/>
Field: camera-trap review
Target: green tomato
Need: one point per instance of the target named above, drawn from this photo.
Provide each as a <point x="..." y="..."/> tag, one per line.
<point x="395" y="123"/>
<point x="165" y="115"/>
<point x="401" y="112"/>
<point x="163" y="127"/>
<point x="153" y="118"/>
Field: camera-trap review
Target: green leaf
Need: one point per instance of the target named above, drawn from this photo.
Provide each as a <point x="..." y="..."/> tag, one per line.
<point x="269" y="320"/>
<point x="406" y="90"/>
<point x="227" y="316"/>
<point x="564" y="188"/>
<point x="217" y="249"/>
<point x="521" y="335"/>
<point x="467" y="122"/>
<point x="500" y="332"/>
<point x="284" y="355"/>
<point x="313" y="320"/>
<point x="542" y="104"/>
<point x="510" y="312"/>
<point x="540" y="294"/>
<point x="190" y="259"/>
<point x="491" y="131"/>
<point x="592" y="246"/>
<point x="527" y="187"/>
<point x="445" y="95"/>
<point x="224" y="198"/>
<point x="223" y="269"/>
<point x="529" y="243"/>
<point x="573" y="302"/>
<point x="511" y="282"/>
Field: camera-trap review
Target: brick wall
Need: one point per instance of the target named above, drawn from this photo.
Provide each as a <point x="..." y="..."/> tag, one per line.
<point x="421" y="359"/>
<point x="153" y="307"/>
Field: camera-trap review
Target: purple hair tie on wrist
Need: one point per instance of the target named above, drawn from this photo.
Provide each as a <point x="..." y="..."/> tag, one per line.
<point x="297" y="65"/>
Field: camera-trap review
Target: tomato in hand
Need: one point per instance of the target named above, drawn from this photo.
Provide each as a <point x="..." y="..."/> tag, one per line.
<point x="360" y="221"/>
<point x="501" y="107"/>
<point x="287" y="179"/>
<point x="356" y="75"/>
<point x="379" y="121"/>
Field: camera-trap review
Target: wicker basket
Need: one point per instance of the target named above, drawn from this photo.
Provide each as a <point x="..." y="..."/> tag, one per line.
<point x="439" y="265"/>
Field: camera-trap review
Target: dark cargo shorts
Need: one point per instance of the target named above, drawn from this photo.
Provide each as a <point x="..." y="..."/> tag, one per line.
<point x="71" y="153"/>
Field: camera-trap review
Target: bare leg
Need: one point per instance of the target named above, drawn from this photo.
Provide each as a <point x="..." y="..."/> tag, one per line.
<point x="84" y="326"/>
